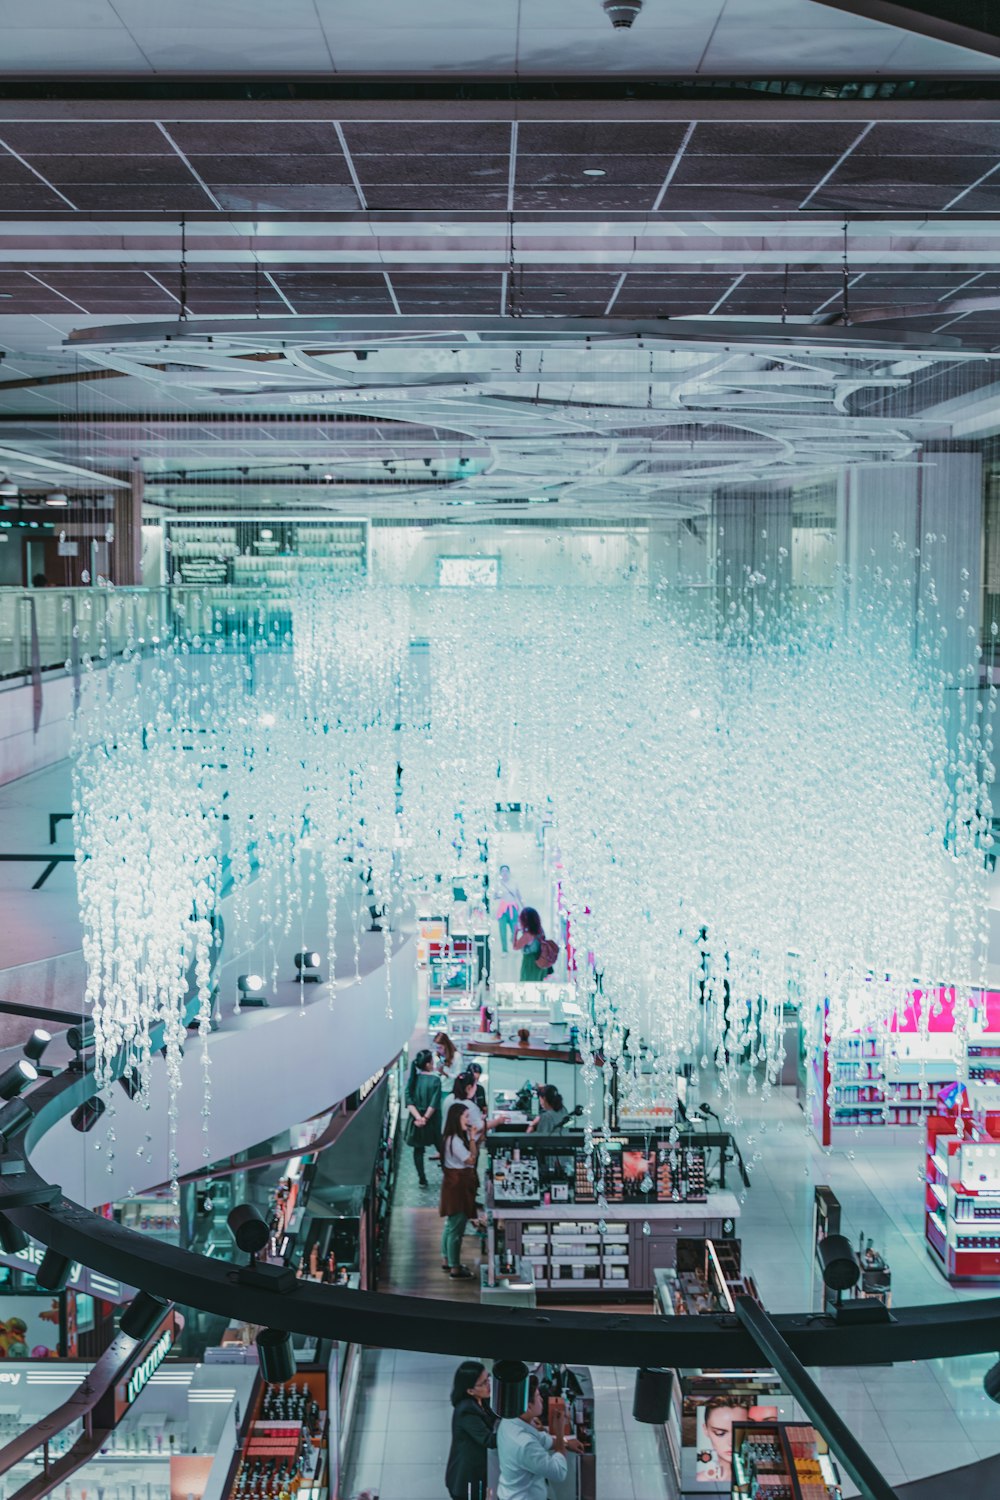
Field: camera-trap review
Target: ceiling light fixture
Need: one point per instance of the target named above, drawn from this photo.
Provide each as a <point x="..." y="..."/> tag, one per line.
<point x="8" y="489"/>
<point x="621" y="13"/>
<point x="57" y="497"/>
<point x="594" y="172"/>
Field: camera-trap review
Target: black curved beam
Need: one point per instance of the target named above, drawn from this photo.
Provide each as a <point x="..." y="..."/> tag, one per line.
<point x="439" y="1327"/>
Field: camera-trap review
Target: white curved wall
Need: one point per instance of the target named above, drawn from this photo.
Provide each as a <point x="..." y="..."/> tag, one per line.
<point x="280" y="1067"/>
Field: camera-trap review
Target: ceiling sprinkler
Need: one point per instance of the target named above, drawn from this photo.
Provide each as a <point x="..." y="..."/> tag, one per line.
<point x="621" y="13"/>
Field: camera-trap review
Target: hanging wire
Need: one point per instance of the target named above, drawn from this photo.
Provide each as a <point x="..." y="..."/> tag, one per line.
<point x="184" y="281"/>
<point x="845" y="309"/>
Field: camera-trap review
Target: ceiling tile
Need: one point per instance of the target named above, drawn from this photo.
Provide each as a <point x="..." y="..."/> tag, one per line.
<point x="417" y="138"/>
<point x="462" y="170"/>
<point x="254" y="137"/>
<point x="600" y="138"/>
<point x="84" y="137"/>
<point x="272" y="169"/>
<point x="790" y="138"/>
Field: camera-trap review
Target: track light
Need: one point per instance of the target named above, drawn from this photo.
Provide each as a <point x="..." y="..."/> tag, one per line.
<point x="510" y="1388"/>
<point x="251" y="988"/>
<point x="275" y="1356"/>
<point x="248" y="1228"/>
<point x="36" y="1044"/>
<point x="53" y="1273"/>
<point x="307" y="964"/>
<point x="838" y="1262"/>
<point x="16" y="1114"/>
<point x="16" y="1078"/>
<point x="81" y="1037"/>
<point x="651" y="1398"/>
<point x="87" y="1114"/>
<point x="621" y="13"/>
<point x="991" y="1383"/>
<point x="142" y="1315"/>
<point x="12" y="1239"/>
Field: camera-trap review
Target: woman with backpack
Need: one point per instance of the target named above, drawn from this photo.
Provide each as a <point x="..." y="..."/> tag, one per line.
<point x="538" y="953"/>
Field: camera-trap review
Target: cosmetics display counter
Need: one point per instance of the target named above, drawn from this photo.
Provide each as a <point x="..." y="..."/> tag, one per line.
<point x="699" y="1436"/>
<point x="782" y="1461"/>
<point x="544" y="1208"/>
<point x="284" y="1443"/>
<point x="962" y="1195"/>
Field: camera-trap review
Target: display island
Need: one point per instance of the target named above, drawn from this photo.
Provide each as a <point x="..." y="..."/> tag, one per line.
<point x="585" y="1235"/>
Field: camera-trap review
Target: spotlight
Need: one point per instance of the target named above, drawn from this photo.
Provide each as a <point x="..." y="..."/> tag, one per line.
<point x="53" y="1273"/>
<point x="87" y="1114"/>
<point x="275" y="1356"/>
<point x="17" y="1113"/>
<point x="651" y="1399"/>
<point x="12" y="1239"/>
<point x="248" y="1228"/>
<point x="36" y="1044"/>
<point x="142" y="1315"/>
<point x="81" y="1037"/>
<point x="621" y="13"/>
<point x="16" y="1078"/>
<point x="307" y="964"/>
<point x="510" y="1388"/>
<point x="991" y="1383"/>
<point x="838" y="1263"/>
<point x="251" y="988"/>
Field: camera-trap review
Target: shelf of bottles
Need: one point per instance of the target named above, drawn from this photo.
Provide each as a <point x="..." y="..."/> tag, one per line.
<point x="257" y="555"/>
<point x="962" y="1195"/>
<point x="284" y="1449"/>
<point x="782" y="1461"/>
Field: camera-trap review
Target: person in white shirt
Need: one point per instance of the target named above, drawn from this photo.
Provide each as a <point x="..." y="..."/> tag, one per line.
<point x="530" y="1458"/>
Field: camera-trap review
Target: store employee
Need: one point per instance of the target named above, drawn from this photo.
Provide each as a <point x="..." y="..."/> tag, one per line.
<point x="530" y="1458"/>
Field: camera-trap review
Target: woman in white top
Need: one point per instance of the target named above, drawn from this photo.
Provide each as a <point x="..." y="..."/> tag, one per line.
<point x="449" y="1058"/>
<point x="458" y="1188"/>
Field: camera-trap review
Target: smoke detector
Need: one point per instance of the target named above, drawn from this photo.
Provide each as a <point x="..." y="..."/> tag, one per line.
<point x="621" y="13"/>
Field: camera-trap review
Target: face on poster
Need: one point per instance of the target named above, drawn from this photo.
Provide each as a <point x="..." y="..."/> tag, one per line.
<point x="716" y="1420"/>
<point x="29" y="1328"/>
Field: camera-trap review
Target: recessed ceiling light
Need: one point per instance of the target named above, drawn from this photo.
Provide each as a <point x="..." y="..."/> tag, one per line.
<point x="594" y="172"/>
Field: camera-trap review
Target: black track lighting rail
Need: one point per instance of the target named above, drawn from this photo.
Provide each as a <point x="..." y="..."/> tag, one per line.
<point x="382" y="1320"/>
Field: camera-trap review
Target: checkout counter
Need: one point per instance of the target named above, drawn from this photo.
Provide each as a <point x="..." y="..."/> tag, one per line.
<point x="728" y="1429"/>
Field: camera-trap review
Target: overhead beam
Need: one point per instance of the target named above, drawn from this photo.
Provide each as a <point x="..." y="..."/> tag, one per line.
<point x="960" y="23"/>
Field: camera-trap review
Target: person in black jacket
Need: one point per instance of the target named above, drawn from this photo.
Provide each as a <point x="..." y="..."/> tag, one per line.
<point x="473" y="1430"/>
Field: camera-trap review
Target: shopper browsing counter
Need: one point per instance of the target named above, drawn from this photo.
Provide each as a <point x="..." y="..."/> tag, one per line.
<point x="529" y="1458"/>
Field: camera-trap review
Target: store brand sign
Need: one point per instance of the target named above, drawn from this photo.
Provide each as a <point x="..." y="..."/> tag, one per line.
<point x="142" y="1374"/>
<point x="370" y="1084"/>
<point x="9" y="1379"/>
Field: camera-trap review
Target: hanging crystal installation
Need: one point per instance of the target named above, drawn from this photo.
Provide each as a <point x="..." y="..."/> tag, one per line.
<point x="759" y="792"/>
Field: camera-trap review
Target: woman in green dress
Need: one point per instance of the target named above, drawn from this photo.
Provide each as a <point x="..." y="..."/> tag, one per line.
<point x="423" y="1109"/>
<point x="528" y="941"/>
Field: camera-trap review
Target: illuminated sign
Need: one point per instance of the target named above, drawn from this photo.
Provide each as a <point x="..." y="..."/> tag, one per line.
<point x="143" y="1373"/>
<point x="370" y="1084"/>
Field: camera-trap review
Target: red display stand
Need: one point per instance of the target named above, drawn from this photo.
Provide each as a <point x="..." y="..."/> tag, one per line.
<point x="962" y="1195"/>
